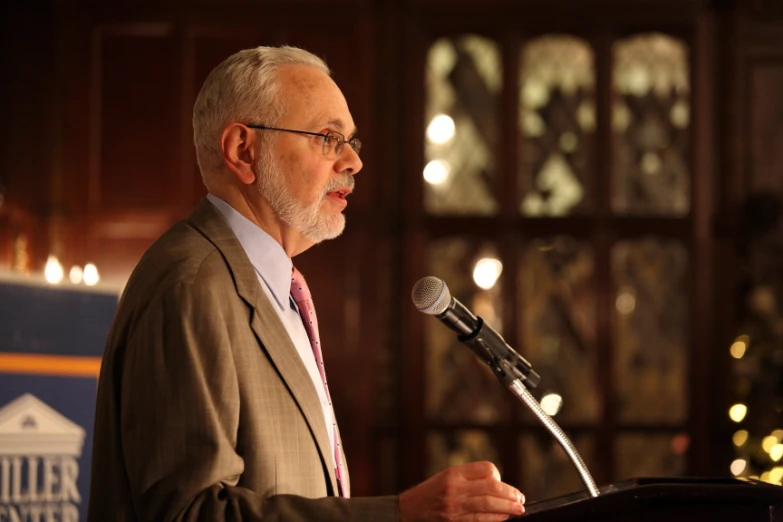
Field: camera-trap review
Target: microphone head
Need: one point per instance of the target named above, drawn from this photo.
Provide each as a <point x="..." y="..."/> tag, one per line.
<point x="431" y="295"/>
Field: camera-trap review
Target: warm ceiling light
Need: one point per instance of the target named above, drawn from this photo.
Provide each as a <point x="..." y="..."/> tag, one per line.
<point x="53" y="271"/>
<point x="91" y="276"/>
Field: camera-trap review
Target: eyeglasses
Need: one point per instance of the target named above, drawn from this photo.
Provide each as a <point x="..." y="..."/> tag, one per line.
<point x="333" y="141"/>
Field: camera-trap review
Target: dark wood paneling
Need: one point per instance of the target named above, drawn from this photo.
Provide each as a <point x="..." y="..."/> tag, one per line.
<point x="765" y="111"/>
<point x="764" y="9"/>
<point x="28" y="132"/>
<point x="136" y="129"/>
<point x="114" y="241"/>
<point x="703" y="197"/>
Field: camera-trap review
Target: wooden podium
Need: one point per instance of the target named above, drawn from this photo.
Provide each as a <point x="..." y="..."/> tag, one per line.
<point x="666" y="500"/>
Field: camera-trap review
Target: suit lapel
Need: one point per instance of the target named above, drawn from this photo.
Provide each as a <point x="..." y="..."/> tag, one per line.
<point x="267" y="327"/>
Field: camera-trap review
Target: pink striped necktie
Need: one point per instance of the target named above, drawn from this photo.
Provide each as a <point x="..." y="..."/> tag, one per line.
<point x="301" y="294"/>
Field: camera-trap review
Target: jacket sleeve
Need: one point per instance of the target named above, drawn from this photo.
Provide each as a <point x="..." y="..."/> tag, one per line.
<point x="179" y="418"/>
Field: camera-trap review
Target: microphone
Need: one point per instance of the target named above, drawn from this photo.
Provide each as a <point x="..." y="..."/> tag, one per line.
<point x="431" y="296"/>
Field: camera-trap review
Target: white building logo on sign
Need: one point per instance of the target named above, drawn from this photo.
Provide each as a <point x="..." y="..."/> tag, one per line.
<point x="39" y="452"/>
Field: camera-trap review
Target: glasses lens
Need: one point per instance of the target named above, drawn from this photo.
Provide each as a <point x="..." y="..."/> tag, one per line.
<point x="356" y="145"/>
<point x="333" y="144"/>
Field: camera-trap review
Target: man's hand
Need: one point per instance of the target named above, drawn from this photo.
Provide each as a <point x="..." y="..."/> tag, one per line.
<point x="470" y="493"/>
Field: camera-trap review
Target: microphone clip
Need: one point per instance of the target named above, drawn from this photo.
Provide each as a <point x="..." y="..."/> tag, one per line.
<point x="481" y="340"/>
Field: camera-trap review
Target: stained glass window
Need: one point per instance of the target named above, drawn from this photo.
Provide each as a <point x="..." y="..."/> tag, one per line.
<point x="556" y="125"/>
<point x="651" y="126"/>
<point x="557" y="300"/>
<point x="445" y="449"/>
<point x="460" y="388"/>
<point x="651" y="341"/>
<point x="598" y="285"/>
<point x="648" y="455"/>
<point x="463" y="84"/>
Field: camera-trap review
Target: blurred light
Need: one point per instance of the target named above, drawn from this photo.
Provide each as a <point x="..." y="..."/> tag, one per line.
<point x="625" y="302"/>
<point x="738" y="412"/>
<point x="768" y="442"/>
<point x="679" y="444"/>
<point x="737" y="349"/>
<point x="651" y="163"/>
<point x="441" y="129"/>
<point x="551" y="403"/>
<point x="680" y="114"/>
<point x="436" y="172"/>
<point x="775" y="474"/>
<point x="776" y="452"/>
<point x="53" y="271"/>
<point x="778" y="434"/>
<point x="91" y="276"/>
<point x="76" y="274"/>
<point x="765" y="477"/>
<point x="740" y="437"/>
<point x="535" y="93"/>
<point x="738" y="466"/>
<point x="486" y="272"/>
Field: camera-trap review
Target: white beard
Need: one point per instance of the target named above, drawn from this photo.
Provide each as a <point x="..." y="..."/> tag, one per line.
<point x="309" y="220"/>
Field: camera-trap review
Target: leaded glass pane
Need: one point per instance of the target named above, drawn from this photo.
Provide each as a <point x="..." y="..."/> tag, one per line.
<point x="459" y="447"/>
<point x="651" y="339"/>
<point x="651" y="126"/>
<point x="557" y="310"/>
<point x="548" y="472"/>
<point x="459" y="387"/>
<point x="648" y="455"/>
<point x="556" y="126"/>
<point x="463" y="84"/>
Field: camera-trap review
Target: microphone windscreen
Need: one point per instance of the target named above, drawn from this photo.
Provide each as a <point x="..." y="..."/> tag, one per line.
<point x="431" y="295"/>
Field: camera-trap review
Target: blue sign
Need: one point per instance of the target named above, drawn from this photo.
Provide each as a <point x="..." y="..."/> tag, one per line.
<point x="51" y="341"/>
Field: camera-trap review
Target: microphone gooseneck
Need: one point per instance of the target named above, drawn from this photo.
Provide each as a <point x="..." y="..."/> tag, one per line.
<point x="431" y="296"/>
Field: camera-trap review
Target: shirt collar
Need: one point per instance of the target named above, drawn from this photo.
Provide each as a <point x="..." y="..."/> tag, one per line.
<point x="269" y="259"/>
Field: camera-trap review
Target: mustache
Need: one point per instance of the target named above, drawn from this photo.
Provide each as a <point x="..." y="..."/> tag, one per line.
<point x="342" y="180"/>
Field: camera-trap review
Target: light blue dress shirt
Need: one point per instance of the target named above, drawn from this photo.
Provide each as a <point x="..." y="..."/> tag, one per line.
<point x="273" y="268"/>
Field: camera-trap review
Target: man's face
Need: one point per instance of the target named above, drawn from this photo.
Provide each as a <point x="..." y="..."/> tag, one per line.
<point x="305" y="188"/>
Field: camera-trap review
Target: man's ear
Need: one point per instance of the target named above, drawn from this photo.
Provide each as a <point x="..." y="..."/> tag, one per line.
<point x="238" y="147"/>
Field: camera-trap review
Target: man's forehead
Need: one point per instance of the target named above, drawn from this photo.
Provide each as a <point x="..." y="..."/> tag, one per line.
<point x="334" y="123"/>
<point x="318" y="96"/>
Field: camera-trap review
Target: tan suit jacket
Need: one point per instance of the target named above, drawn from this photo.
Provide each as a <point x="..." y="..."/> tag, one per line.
<point x="205" y="411"/>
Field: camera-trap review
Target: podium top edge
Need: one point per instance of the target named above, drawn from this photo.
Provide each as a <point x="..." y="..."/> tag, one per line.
<point x="639" y="491"/>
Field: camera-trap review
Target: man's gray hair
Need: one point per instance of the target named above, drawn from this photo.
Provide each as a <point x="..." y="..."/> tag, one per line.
<point x="243" y="88"/>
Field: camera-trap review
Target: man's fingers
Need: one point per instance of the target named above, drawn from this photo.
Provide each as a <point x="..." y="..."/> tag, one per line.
<point x="492" y="505"/>
<point x="500" y="489"/>
<point x="492" y="487"/>
<point x="485" y="517"/>
<point x="479" y="470"/>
